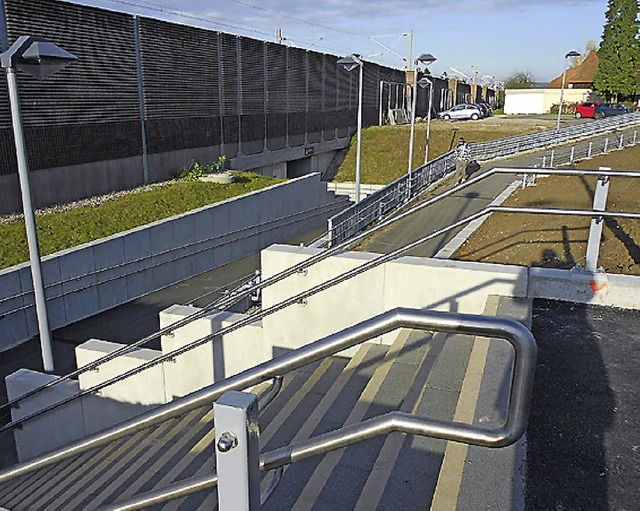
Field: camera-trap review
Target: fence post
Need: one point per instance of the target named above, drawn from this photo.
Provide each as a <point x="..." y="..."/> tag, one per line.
<point x="573" y="148"/>
<point x="635" y="133"/>
<point x="143" y="128"/>
<point x="237" y="451"/>
<point x="595" y="232"/>
<point x="553" y="153"/>
<point x="606" y="145"/>
<point x="590" y="149"/>
<point x="621" y="141"/>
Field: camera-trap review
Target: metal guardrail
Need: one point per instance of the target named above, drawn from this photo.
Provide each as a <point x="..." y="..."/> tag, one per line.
<point x="319" y="256"/>
<point x="357" y="217"/>
<point x="568" y="155"/>
<point x="513" y="428"/>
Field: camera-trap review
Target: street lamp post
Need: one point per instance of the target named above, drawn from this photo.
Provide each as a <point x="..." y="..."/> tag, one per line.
<point x="426" y="59"/>
<point x="424" y="82"/>
<point x="40" y="59"/>
<point x="350" y="63"/>
<point x="571" y="54"/>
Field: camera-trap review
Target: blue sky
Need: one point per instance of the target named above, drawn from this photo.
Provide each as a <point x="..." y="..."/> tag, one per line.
<point x="500" y="37"/>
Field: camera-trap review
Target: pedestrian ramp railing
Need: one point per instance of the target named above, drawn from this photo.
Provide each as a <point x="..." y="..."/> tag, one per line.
<point x="358" y="217"/>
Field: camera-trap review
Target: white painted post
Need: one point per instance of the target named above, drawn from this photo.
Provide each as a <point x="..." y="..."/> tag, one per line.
<point x="237" y="451"/>
<point x="573" y="149"/>
<point x="606" y="145"/>
<point x="595" y="232"/>
<point x="621" y="141"/>
<point x="553" y="153"/>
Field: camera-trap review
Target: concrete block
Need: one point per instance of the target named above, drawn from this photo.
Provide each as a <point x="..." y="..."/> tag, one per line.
<point x="212" y="361"/>
<point x="10" y="291"/>
<point x="109" y="258"/>
<point x="77" y="269"/>
<point x="192" y="370"/>
<point x="137" y="248"/>
<point x="14" y="329"/>
<point x="81" y="304"/>
<point x="122" y="400"/>
<point x="324" y="313"/>
<point x="54" y="429"/>
<point x="139" y="283"/>
<point x="579" y="285"/>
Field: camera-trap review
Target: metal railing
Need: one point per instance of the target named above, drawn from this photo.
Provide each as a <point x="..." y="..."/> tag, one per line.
<point x="522" y="382"/>
<point x="375" y="206"/>
<point x="319" y="256"/>
<point x="570" y="154"/>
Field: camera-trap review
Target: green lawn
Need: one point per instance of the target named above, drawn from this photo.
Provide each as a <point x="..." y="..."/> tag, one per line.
<point x="59" y="231"/>
<point x="385" y="149"/>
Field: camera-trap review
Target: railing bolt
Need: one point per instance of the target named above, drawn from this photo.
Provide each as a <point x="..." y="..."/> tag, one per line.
<point x="227" y="442"/>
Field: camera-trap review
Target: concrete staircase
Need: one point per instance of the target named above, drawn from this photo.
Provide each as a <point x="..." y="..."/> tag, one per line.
<point x="436" y="375"/>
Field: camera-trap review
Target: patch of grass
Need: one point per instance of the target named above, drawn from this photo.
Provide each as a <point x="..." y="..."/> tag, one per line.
<point x="59" y="231"/>
<point x="385" y="149"/>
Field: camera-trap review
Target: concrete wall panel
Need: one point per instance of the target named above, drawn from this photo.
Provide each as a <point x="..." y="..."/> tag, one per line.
<point x="57" y="428"/>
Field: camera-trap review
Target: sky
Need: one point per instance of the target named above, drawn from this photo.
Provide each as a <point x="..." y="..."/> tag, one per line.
<point x="498" y="37"/>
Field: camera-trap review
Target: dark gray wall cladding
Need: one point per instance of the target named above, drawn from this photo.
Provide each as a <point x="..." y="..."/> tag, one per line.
<point x="88" y="111"/>
<point x="329" y="98"/>
<point x="277" y="102"/>
<point x="182" y="104"/>
<point x="252" y="95"/>
<point x="371" y="94"/>
<point x="314" y="105"/>
<point x="297" y="73"/>
<point x="230" y="93"/>
<point x="343" y="80"/>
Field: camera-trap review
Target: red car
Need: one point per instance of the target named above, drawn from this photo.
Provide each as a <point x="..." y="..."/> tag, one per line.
<point x="586" y="109"/>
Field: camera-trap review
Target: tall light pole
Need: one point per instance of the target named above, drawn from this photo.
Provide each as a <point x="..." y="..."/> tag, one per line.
<point x="572" y="54"/>
<point x="424" y="82"/>
<point x="426" y="59"/>
<point x="350" y="63"/>
<point x="40" y="59"/>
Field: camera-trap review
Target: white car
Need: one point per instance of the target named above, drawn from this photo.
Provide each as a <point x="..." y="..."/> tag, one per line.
<point x="461" y="111"/>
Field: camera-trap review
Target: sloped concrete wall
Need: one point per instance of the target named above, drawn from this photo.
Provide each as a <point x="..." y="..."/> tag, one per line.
<point x="97" y="276"/>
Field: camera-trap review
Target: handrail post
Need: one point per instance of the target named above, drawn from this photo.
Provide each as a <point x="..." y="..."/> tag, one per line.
<point x="595" y="232"/>
<point x="237" y="451"/>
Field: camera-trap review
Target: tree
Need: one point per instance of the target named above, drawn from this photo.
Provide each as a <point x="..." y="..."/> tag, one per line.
<point x="618" y="73"/>
<point x="519" y="80"/>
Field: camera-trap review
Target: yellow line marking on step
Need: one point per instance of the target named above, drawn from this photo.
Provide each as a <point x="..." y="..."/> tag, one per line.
<point x="450" y="478"/>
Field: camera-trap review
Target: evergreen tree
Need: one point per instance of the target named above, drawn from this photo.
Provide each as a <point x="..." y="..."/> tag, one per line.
<point x="618" y="73"/>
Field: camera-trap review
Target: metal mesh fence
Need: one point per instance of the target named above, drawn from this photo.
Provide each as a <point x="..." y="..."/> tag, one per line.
<point x="196" y="87"/>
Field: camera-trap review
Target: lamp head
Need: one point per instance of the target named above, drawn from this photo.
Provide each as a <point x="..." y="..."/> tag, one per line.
<point x="350" y="62"/>
<point x="572" y="54"/>
<point x="36" y="57"/>
<point x="426" y="59"/>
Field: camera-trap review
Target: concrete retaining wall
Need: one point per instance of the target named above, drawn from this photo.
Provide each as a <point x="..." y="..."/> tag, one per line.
<point x="97" y="276"/>
<point x="407" y="282"/>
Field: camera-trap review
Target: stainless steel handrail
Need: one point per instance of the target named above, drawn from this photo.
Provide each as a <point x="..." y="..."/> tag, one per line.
<point x="384" y="323"/>
<point x="516" y="419"/>
<point x="360" y="269"/>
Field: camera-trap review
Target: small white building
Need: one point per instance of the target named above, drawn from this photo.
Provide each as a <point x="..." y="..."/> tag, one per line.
<point x="540" y="101"/>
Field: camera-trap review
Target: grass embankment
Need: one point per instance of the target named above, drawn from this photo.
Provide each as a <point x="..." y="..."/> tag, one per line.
<point x="59" y="231"/>
<point x="385" y="149"/>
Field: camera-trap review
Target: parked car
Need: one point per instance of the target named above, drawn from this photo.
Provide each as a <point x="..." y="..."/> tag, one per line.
<point x="586" y="109"/>
<point x="461" y="111"/>
<point x="486" y="106"/>
<point x="608" y="109"/>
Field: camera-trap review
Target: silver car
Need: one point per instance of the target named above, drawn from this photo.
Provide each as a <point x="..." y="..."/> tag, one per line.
<point x="461" y="111"/>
